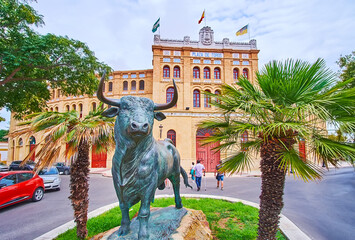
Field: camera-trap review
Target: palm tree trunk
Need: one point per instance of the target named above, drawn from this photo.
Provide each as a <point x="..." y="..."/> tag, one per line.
<point x="79" y="189"/>
<point x="272" y="187"/>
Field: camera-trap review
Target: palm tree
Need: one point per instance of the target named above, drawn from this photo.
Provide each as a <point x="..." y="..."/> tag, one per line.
<point x="77" y="134"/>
<point x="291" y="103"/>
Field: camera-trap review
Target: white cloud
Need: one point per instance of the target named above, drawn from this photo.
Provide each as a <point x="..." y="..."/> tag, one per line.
<point x="119" y="31"/>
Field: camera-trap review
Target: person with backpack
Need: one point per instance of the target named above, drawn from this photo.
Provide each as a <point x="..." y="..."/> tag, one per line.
<point x="219" y="175"/>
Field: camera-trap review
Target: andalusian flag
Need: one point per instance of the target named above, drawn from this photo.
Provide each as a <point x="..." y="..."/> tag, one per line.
<point x="156" y="25"/>
<point x="243" y="30"/>
<point x="202" y="17"/>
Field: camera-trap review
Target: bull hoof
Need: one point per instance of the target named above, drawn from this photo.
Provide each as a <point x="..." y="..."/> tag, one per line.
<point x="178" y="206"/>
<point x="123" y="230"/>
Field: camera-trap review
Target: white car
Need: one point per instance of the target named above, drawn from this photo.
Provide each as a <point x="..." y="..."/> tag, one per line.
<point x="3" y="167"/>
<point x="51" y="178"/>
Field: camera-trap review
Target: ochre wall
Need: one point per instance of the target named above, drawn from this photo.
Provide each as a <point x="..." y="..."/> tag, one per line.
<point x="184" y="122"/>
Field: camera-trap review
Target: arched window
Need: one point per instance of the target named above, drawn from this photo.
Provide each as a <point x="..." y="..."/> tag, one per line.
<point x="58" y="93"/>
<point x="133" y="86"/>
<point x="53" y="94"/>
<point x="20" y="142"/>
<point x="166" y="72"/>
<point x="67" y="107"/>
<point x="244" y="139"/>
<point x="74" y="107"/>
<point x="207" y="100"/>
<point x="196" y="98"/>
<point x="80" y="110"/>
<point x="51" y="109"/>
<point x="206" y="73"/>
<point x="235" y="73"/>
<point x="246" y="73"/>
<point x="32" y="140"/>
<point x="169" y="94"/>
<point x="93" y="106"/>
<point x="172" y="135"/>
<point x="196" y="72"/>
<point x="110" y="86"/>
<point x="217" y="73"/>
<point x="217" y="92"/>
<point x="141" y="85"/>
<point x="56" y="109"/>
<point x="125" y="86"/>
<point x="176" y="72"/>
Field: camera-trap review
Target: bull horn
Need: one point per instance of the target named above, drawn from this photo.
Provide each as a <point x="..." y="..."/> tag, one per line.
<point x="170" y="104"/>
<point x="102" y="98"/>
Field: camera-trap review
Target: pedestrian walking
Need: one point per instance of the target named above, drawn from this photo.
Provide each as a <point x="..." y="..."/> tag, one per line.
<point x="192" y="171"/>
<point x="199" y="170"/>
<point x="219" y="175"/>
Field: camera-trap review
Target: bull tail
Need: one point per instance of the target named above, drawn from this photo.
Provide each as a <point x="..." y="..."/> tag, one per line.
<point x="185" y="177"/>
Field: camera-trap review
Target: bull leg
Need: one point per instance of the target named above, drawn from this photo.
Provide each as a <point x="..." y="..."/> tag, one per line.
<point x="175" y="180"/>
<point x="143" y="216"/>
<point x="125" y="222"/>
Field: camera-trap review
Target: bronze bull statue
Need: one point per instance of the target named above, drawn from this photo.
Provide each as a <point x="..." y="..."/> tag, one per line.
<point x="140" y="163"/>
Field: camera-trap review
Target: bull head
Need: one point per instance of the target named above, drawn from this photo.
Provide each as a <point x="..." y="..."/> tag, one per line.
<point x="135" y="115"/>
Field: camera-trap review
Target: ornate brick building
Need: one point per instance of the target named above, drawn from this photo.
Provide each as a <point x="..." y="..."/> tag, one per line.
<point x="196" y="66"/>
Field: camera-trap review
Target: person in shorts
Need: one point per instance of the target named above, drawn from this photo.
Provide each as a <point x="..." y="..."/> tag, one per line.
<point x="219" y="175"/>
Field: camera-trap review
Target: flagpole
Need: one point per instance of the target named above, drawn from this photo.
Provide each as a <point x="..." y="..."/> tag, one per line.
<point x="205" y="17"/>
<point x="159" y="26"/>
<point x="249" y="32"/>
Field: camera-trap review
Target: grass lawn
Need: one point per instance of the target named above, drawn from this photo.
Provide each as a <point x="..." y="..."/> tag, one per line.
<point x="227" y="220"/>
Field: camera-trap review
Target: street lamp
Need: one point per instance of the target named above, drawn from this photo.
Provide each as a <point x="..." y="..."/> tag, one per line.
<point x="161" y="130"/>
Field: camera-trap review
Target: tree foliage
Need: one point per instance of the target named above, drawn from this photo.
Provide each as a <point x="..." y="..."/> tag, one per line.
<point x="3" y="133"/>
<point x="290" y="104"/>
<point x="347" y="67"/>
<point x="30" y="63"/>
<point x="76" y="135"/>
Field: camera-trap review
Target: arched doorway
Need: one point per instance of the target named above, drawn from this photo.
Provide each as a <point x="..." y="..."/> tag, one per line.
<point x="172" y="135"/>
<point x="98" y="159"/>
<point x="32" y="146"/>
<point x="209" y="158"/>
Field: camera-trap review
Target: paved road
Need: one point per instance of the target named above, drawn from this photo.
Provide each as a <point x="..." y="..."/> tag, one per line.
<point x="324" y="210"/>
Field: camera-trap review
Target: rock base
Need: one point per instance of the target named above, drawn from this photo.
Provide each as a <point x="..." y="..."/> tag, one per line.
<point x="167" y="223"/>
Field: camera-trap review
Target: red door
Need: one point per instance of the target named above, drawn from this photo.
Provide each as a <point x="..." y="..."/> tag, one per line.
<point x="302" y="149"/>
<point x="32" y="146"/>
<point x="208" y="157"/>
<point x="98" y="159"/>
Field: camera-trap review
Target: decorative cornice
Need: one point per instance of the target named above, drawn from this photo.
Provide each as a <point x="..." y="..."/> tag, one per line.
<point x="206" y="40"/>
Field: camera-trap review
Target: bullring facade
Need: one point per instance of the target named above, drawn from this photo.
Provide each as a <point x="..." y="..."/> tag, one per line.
<point x="196" y="67"/>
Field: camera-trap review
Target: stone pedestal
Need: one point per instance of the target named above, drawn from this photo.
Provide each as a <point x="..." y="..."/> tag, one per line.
<point x="167" y="223"/>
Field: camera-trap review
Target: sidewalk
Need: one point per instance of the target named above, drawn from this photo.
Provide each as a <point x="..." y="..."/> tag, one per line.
<point x="106" y="172"/>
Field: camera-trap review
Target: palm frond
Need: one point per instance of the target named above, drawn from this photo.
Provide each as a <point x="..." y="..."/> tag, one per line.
<point x="291" y="161"/>
<point x="239" y="162"/>
<point x="331" y="151"/>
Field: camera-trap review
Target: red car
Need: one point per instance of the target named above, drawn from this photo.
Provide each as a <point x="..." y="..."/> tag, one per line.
<point x="18" y="186"/>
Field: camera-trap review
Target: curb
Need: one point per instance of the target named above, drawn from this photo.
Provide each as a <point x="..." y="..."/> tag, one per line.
<point x="288" y="228"/>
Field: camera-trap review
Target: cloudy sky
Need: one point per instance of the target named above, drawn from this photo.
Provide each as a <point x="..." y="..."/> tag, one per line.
<point x="120" y="31"/>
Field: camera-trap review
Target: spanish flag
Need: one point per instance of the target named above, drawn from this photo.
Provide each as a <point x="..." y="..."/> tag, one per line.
<point x="243" y="30"/>
<point x="202" y="17"/>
